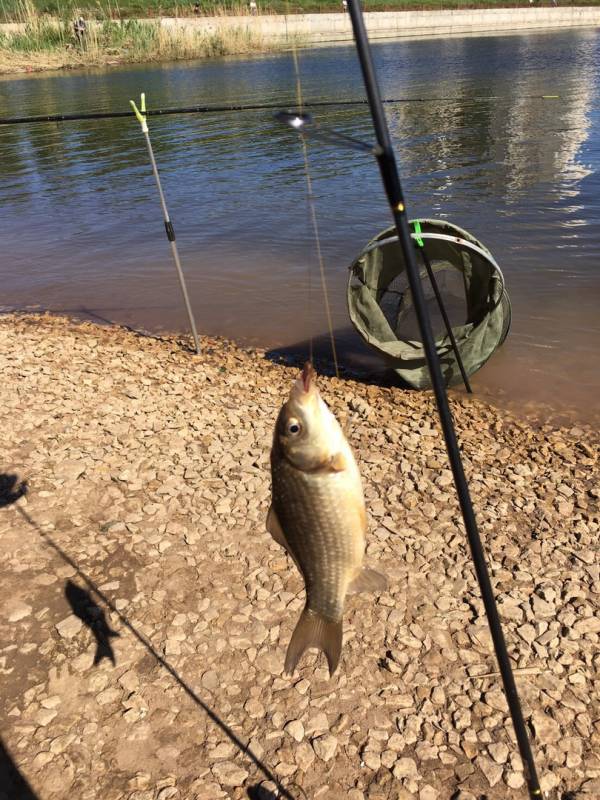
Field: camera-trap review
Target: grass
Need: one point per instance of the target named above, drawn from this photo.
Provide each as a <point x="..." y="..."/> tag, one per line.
<point x="127" y="9"/>
<point x="45" y="41"/>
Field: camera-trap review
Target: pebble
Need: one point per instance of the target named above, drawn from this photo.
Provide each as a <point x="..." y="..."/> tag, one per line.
<point x="69" y="627"/>
<point x="229" y="774"/>
<point x="325" y="746"/>
<point x="19" y="611"/>
<point x="295" y="728"/>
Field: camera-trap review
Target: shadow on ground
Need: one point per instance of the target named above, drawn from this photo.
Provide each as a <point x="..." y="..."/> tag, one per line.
<point x="11" y="489"/>
<point x="93" y="617"/>
<point x="13" y="785"/>
<point x="355" y="360"/>
<point x="80" y="596"/>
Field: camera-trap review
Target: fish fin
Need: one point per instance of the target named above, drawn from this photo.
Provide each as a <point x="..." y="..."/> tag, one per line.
<point x="337" y="463"/>
<point x="274" y="528"/>
<point x="313" y="630"/>
<point x="368" y="580"/>
<point x="276" y="531"/>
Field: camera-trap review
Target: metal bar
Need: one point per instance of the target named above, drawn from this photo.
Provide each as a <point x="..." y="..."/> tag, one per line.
<point x="213" y="109"/>
<point x="442" y="308"/>
<point x="171" y="238"/>
<point x="391" y="181"/>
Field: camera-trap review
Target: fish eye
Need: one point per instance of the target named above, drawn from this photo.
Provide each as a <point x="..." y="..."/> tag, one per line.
<point x="294" y="427"/>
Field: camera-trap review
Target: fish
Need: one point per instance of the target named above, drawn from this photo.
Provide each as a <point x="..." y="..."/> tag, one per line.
<point x="89" y="612"/>
<point x="318" y="515"/>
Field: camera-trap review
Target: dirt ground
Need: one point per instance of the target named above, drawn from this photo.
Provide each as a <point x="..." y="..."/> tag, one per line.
<point x="145" y="611"/>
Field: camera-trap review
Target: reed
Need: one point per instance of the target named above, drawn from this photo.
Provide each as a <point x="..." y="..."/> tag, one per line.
<point x="111" y="39"/>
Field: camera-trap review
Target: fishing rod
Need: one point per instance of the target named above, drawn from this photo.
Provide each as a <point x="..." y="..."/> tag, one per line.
<point x="141" y="114"/>
<point x="223" y="109"/>
<point x="391" y="181"/>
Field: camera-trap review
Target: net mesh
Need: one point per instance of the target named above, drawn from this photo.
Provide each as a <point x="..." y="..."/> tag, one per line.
<point x="472" y="289"/>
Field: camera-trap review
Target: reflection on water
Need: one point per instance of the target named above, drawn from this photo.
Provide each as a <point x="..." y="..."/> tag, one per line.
<point x="81" y="226"/>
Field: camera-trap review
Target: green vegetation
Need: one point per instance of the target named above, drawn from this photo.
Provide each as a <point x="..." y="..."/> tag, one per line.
<point x="44" y="41"/>
<point x="126" y="9"/>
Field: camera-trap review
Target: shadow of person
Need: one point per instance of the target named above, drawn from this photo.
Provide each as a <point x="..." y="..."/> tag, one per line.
<point x="13" y="785"/>
<point x="259" y="792"/>
<point x="243" y="747"/>
<point x="93" y="617"/>
<point x="11" y="489"/>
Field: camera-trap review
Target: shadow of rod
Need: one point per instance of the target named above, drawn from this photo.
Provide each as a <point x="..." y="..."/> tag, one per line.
<point x="165" y="664"/>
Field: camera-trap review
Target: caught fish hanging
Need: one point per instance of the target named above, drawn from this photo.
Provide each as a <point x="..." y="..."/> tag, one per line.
<point x="318" y="515"/>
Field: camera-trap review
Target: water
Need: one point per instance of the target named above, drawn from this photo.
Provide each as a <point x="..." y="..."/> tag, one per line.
<point x="82" y="232"/>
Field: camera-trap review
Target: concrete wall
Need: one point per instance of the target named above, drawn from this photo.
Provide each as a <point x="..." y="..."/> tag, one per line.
<point x="313" y="28"/>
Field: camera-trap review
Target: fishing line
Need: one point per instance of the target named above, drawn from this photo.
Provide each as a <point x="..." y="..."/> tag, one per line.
<point x="223" y="109"/>
<point x="315" y="227"/>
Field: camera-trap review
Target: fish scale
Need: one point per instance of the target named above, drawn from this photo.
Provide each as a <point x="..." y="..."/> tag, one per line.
<point x="327" y="557"/>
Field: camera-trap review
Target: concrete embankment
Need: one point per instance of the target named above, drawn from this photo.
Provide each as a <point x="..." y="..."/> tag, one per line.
<point x="315" y="28"/>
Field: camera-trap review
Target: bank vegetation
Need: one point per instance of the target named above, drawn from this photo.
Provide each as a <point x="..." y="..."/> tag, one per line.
<point x="45" y="41"/>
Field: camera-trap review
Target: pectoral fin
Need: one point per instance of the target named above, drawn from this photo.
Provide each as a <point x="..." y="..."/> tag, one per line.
<point x="276" y="531"/>
<point x="368" y="580"/>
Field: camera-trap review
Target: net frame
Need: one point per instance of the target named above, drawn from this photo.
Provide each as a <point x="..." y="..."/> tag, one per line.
<point x="486" y="298"/>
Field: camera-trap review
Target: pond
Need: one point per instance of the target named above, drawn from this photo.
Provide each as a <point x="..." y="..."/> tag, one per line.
<point x="478" y="145"/>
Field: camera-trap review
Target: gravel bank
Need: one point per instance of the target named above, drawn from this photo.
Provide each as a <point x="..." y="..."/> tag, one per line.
<point x="148" y="481"/>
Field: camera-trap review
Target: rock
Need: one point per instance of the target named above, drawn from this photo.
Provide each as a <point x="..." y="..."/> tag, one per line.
<point x="45" y="716"/>
<point x="304" y="756"/>
<point x="591" y="787"/>
<point x="527" y="632"/>
<point x="325" y="746"/>
<point x="229" y="774"/>
<point x="499" y="752"/>
<point x="515" y="779"/>
<point x="587" y="625"/>
<point x="491" y="770"/>
<point x="223" y="751"/>
<point x="405" y="768"/>
<point x="371" y="760"/>
<point x="210" y="680"/>
<point x="547" y="730"/>
<point x="71" y="470"/>
<point x="18" y="611"/>
<point x="548" y="781"/>
<point x="41" y="760"/>
<point x="295" y="729"/>
<point x="69" y="627"/>
<point x="427" y="792"/>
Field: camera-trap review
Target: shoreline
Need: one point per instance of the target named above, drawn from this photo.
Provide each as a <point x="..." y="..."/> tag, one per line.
<point x="534" y="412"/>
<point x="50" y="45"/>
<point x="148" y="481"/>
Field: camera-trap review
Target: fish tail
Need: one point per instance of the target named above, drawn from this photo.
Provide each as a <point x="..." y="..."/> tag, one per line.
<point x="104" y="650"/>
<point x="313" y="630"/>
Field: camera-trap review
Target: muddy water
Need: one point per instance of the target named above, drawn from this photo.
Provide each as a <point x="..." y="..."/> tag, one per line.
<point x="81" y="228"/>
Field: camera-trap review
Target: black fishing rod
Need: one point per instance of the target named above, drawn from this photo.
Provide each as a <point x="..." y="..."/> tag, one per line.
<point x="224" y="109"/>
<point x="391" y="181"/>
